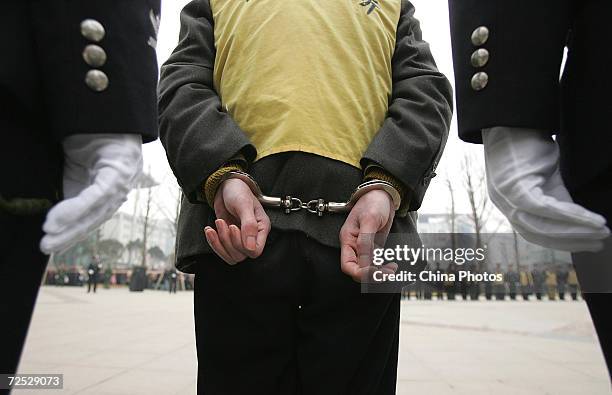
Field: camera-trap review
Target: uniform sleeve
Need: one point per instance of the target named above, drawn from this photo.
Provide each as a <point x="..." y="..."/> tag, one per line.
<point x="199" y="137"/>
<point x="412" y="137"/>
<point x="507" y="58"/>
<point x="98" y="65"/>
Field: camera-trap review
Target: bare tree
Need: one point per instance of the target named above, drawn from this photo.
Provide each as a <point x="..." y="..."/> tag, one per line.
<point x="517" y="254"/>
<point x="481" y="207"/>
<point x="175" y="223"/>
<point x="453" y="212"/>
<point x="171" y="215"/>
<point x="145" y="231"/>
<point x="145" y="181"/>
<point x="474" y="182"/>
<point x="110" y="250"/>
<point x="179" y="203"/>
<point x="133" y="246"/>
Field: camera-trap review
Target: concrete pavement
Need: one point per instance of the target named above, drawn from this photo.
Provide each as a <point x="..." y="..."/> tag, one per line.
<point x="117" y="342"/>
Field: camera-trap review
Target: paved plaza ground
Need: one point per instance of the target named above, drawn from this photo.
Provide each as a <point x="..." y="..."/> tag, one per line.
<point x="117" y="342"/>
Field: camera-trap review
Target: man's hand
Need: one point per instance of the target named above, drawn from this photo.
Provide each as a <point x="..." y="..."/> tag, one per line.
<point x="99" y="172"/>
<point x="242" y="224"/>
<point x="525" y="183"/>
<point x="366" y="227"/>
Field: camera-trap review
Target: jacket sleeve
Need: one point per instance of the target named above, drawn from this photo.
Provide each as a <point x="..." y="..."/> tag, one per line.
<point x="198" y="135"/>
<point x="122" y="97"/>
<point x="412" y="137"/>
<point x="522" y="54"/>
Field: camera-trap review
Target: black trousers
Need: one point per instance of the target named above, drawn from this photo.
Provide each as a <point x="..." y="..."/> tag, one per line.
<point x="594" y="270"/>
<point x="92" y="282"/>
<point x="21" y="269"/>
<point x="290" y="322"/>
<point x="595" y="276"/>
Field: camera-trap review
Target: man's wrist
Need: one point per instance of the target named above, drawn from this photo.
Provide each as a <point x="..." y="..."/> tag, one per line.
<point x="380" y="193"/>
<point x="213" y="182"/>
<point x="375" y="172"/>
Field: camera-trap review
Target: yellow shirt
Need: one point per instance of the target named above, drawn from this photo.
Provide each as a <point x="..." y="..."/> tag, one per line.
<point x="306" y="75"/>
<point x="526" y="278"/>
<point x="572" y="278"/>
<point x="551" y="278"/>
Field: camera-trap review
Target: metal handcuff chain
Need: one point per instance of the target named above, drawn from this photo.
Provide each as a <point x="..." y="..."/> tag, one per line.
<point x="317" y="206"/>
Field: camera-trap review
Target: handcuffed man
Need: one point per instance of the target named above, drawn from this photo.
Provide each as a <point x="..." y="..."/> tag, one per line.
<point x="300" y="133"/>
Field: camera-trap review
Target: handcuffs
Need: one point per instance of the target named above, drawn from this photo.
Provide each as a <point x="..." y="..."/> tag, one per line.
<point x="316" y="206"/>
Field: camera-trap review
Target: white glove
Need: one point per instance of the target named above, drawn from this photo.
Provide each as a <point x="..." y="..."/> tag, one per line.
<point x="99" y="172"/>
<point x="524" y="182"/>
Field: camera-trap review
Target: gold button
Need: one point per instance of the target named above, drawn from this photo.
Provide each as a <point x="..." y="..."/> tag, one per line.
<point x="480" y="81"/>
<point x="480" y="36"/>
<point x="96" y="80"/>
<point x="94" y="55"/>
<point x="92" y="30"/>
<point x="480" y="58"/>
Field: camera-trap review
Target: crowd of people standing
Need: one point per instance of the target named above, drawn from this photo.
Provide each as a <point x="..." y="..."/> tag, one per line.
<point x="552" y="282"/>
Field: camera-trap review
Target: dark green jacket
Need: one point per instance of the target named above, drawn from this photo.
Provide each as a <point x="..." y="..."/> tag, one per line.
<point x="199" y="136"/>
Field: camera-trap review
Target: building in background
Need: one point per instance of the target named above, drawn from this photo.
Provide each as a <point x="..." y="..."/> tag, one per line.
<point x="129" y="231"/>
<point x="502" y="245"/>
<point x="440" y="223"/>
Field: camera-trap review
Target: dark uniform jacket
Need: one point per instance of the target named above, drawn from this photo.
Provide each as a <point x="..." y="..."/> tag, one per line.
<point x="93" y="270"/>
<point x="508" y="57"/>
<point x="70" y="67"/>
<point x="200" y="136"/>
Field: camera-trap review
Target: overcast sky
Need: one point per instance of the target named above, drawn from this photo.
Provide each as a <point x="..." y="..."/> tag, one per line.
<point x="433" y="15"/>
